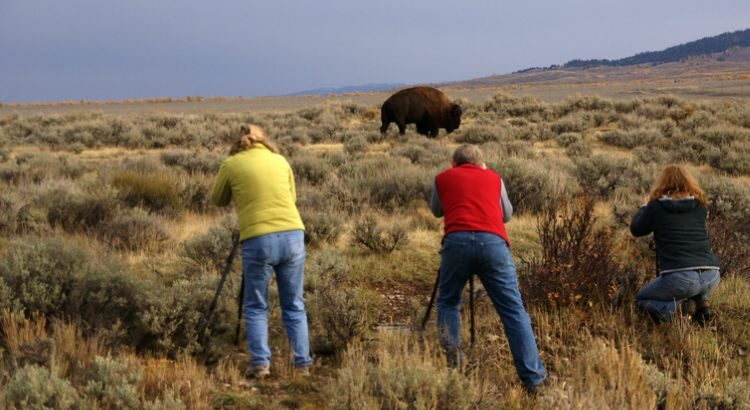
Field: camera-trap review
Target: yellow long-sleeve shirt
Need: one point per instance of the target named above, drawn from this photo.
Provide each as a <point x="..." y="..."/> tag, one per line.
<point x="261" y="184"/>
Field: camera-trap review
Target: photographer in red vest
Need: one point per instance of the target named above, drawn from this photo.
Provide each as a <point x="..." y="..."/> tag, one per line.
<point x="475" y="205"/>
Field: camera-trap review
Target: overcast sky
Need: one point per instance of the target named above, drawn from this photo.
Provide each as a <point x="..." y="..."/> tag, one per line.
<point x="96" y="49"/>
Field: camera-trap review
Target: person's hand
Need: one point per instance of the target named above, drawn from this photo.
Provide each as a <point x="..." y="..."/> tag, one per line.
<point x="484" y="166"/>
<point x="645" y="201"/>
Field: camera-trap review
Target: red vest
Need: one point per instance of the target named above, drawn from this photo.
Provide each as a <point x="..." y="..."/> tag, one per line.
<point x="470" y="197"/>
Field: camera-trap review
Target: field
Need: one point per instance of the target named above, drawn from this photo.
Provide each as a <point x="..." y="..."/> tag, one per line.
<point x="110" y="253"/>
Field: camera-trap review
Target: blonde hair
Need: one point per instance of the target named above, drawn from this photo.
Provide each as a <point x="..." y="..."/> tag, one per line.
<point x="675" y="181"/>
<point x="249" y="136"/>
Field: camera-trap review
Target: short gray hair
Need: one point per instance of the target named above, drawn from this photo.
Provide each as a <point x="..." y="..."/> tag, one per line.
<point x="468" y="154"/>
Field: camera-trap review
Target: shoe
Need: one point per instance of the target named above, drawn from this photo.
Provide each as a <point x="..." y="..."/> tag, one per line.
<point x="258" y="371"/>
<point x="302" y="371"/>
<point x="702" y="311"/>
<point x="537" y="388"/>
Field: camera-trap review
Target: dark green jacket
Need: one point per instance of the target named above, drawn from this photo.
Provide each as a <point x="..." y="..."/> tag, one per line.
<point x="679" y="228"/>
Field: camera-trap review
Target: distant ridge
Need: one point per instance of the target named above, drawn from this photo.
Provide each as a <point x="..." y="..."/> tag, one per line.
<point x="365" y="88"/>
<point x="706" y="45"/>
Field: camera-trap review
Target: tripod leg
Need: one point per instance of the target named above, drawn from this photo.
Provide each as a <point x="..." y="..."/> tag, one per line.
<point x="432" y="300"/>
<point x="471" y="310"/>
<point x="240" y="300"/>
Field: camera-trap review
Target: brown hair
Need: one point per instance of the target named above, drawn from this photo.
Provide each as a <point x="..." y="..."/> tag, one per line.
<point x="468" y="154"/>
<point x="675" y="181"/>
<point x="249" y="136"/>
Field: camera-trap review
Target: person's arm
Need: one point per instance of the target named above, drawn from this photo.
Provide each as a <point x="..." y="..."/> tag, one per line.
<point x="505" y="204"/>
<point x="643" y="221"/>
<point x="221" y="195"/>
<point x="435" y="206"/>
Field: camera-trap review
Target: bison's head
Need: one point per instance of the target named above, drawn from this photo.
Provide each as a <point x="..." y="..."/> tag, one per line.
<point x="454" y="119"/>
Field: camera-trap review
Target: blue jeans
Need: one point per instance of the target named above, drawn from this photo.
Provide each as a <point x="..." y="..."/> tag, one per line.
<point x="487" y="256"/>
<point x="283" y="252"/>
<point x="661" y="296"/>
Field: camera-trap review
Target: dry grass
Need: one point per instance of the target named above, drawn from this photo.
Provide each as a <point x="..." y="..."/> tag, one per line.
<point x="598" y="355"/>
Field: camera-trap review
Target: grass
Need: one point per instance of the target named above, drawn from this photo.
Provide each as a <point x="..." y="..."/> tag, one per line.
<point x="598" y="355"/>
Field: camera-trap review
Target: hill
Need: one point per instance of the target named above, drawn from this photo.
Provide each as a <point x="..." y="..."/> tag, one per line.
<point x="365" y="88"/>
<point x="704" y="46"/>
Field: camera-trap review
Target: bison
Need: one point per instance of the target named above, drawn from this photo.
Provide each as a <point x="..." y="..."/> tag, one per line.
<point x="427" y="107"/>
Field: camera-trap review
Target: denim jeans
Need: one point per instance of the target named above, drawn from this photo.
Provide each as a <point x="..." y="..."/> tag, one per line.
<point x="487" y="256"/>
<point x="661" y="296"/>
<point x="284" y="253"/>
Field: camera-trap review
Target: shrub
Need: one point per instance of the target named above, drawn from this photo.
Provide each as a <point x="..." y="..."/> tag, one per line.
<point x="728" y="200"/>
<point x="399" y="374"/>
<point x="208" y="252"/>
<point x="134" y="230"/>
<point x="192" y="162"/>
<point x="36" y="387"/>
<point x="577" y="264"/>
<point x="73" y="208"/>
<point x="58" y="280"/>
<point x="567" y="139"/>
<point x="630" y="139"/>
<point x="388" y="183"/>
<point x="152" y="191"/>
<point x="580" y="148"/>
<point x="600" y="175"/>
<point x="339" y="310"/>
<point x="731" y="246"/>
<point x="424" y="151"/>
<point x="568" y="124"/>
<point x="481" y="135"/>
<point x="321" y="226"/>
<point x="732" y="160"/>
<point x="355" y="145"/>
<point x="604" y="377"/>
<point x="529" y="187"/>
<point x="369" y="233"/>
<point x="311" y="169"/>
<point x="505" y="105"/>
<point x="113" y="384"/>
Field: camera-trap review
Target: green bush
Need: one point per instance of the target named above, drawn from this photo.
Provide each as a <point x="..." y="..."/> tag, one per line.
<point x="112" y="384"/>
<point x="311" y="169"/>
<point x="529" y="187"/>
<point x="152" y="191"/>
<point x="73" y="208"/>
<point x="372" y="235"/>
<point x="355" y="145"/>
<point x="35" y="387"/>
<point x="580" y="148"/>
<point x="481" y="134"/>
<point x="208" y="252"/>
<point x="600" y="175"/>
<point x="192" y="162"/>
<point x="134" y="230"/>
<point x="387" y="183"/>
<point x="339" y="310"/>
<point x="321" y="226"/>
<point x="630" y="139"/>
<point x="567" y="139"/>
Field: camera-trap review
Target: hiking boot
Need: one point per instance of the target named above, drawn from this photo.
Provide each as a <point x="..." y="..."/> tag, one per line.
<point x="537" y="388"/>
<point x="258" y="371"/>
<point x="302" y="371"/>
<point x="702" y="311"/>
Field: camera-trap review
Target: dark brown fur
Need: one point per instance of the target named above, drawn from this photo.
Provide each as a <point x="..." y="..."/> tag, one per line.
<point x="426" y="107"/>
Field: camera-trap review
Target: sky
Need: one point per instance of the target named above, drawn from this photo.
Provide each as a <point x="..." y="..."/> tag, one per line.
<point x="52" y="50"/>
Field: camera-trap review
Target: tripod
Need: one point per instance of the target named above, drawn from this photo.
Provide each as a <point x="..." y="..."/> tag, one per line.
<point x="472" y="323"/>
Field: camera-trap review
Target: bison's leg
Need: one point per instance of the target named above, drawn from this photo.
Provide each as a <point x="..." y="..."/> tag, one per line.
<point x="422" y="128"/>
<point x="384" y="127"/>
<point x="401" y="122"/>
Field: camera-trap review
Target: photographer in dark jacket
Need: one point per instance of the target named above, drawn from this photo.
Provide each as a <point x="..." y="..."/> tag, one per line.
<point x="675" y="212"/>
